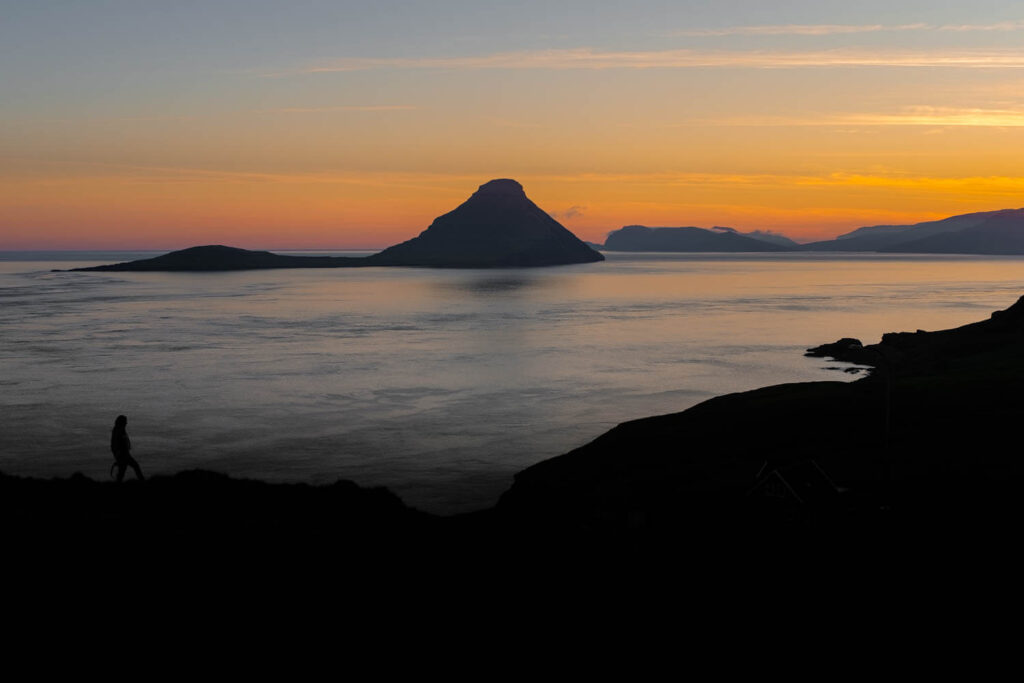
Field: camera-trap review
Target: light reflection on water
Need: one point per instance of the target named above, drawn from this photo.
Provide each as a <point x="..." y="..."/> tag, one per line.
<point x="437" y="383"/>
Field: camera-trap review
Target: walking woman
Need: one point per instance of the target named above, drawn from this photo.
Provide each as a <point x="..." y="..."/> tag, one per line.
<point x="121" y="447"/>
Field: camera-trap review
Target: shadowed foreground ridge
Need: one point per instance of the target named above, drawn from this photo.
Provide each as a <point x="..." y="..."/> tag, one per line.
<point x="497" y="227"/>
<point x="205" y="509"/>
<point x="926" y="443"/>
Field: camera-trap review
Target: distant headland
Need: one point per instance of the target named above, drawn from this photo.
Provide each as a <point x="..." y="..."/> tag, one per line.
<point x="693" y="239"/>
<point x="497" y="227"/>
<point x="987" y="232"/>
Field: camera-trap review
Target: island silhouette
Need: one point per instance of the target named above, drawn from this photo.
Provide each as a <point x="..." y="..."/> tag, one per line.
<point x="497" y="227"/>
<point x="692" y="239"/>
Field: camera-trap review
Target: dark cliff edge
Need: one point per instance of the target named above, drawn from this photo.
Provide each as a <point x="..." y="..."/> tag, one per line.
<point x="925" y="445"/>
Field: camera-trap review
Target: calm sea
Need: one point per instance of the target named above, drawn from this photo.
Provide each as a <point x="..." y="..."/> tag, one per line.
<point x="439" y="384"/>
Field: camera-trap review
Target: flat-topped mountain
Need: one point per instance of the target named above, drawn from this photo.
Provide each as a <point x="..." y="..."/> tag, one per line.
<point x="643" y="238"/>
<point x="496" y="227"/>
<point x="986" y="232"/>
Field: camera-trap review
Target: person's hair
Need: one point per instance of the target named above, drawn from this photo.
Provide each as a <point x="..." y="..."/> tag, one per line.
<point x="121" y="421"/>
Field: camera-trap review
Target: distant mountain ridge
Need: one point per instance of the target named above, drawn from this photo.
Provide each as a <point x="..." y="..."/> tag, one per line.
<point x="998" y="232"/>
<point x="986" y="232"/>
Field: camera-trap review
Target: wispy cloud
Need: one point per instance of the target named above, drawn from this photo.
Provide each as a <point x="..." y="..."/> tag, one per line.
<point x="345" y="107"/>
<point x="570" y="213"/>
<point x="907" y="116"/>
<point x="587" y="58"/>
<point x="843" y="29"/>
<point x="1000" y="188"/>
<point x="973" y="185"/>
<point x="1000" y="26"/>
<point x="946" y="116"/>
<point x="800" y="30"/>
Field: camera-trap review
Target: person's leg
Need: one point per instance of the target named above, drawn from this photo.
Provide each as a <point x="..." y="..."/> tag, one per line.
<point x="135" y="466"/>
<point x="121" y="467"/>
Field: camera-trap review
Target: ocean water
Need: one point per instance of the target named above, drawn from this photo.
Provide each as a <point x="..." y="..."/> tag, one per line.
<point x="439" y="384"/>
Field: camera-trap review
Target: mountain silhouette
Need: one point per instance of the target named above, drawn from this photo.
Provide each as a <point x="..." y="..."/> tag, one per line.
<point x="1001" y="232"/>
<point x="643" y="238"/>
<point x="496" y="227"/>
<point x="985" y="232"/>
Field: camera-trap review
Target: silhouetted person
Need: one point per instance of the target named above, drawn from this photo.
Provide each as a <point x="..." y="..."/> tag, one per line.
<point x="121" y="447"/>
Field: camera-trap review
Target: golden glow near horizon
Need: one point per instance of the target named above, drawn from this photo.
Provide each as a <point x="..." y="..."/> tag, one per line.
<point x="809" y="128"/>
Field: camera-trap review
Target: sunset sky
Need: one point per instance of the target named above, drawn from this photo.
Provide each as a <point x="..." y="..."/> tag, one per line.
<point x="317" y="124"/>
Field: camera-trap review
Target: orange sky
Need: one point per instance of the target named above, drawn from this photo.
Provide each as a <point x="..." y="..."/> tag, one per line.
<point x="809" y="128"/>
<point x="175" y="208"/>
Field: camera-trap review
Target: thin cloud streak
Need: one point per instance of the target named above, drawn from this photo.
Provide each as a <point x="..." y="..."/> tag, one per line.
<point x="1001" y="26"/>
<point x="943" y="116"/>
<point x="587" y="58"/>
<point x="843" y="29"/>
<point x="800" y="30"/>
<point x="909" y="116"/>
<point x="347" y="107"/>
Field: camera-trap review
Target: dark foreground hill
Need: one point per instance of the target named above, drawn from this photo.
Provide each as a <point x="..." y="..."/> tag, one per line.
<point x="925" y="445"/>
<point x="497" y="227"/>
